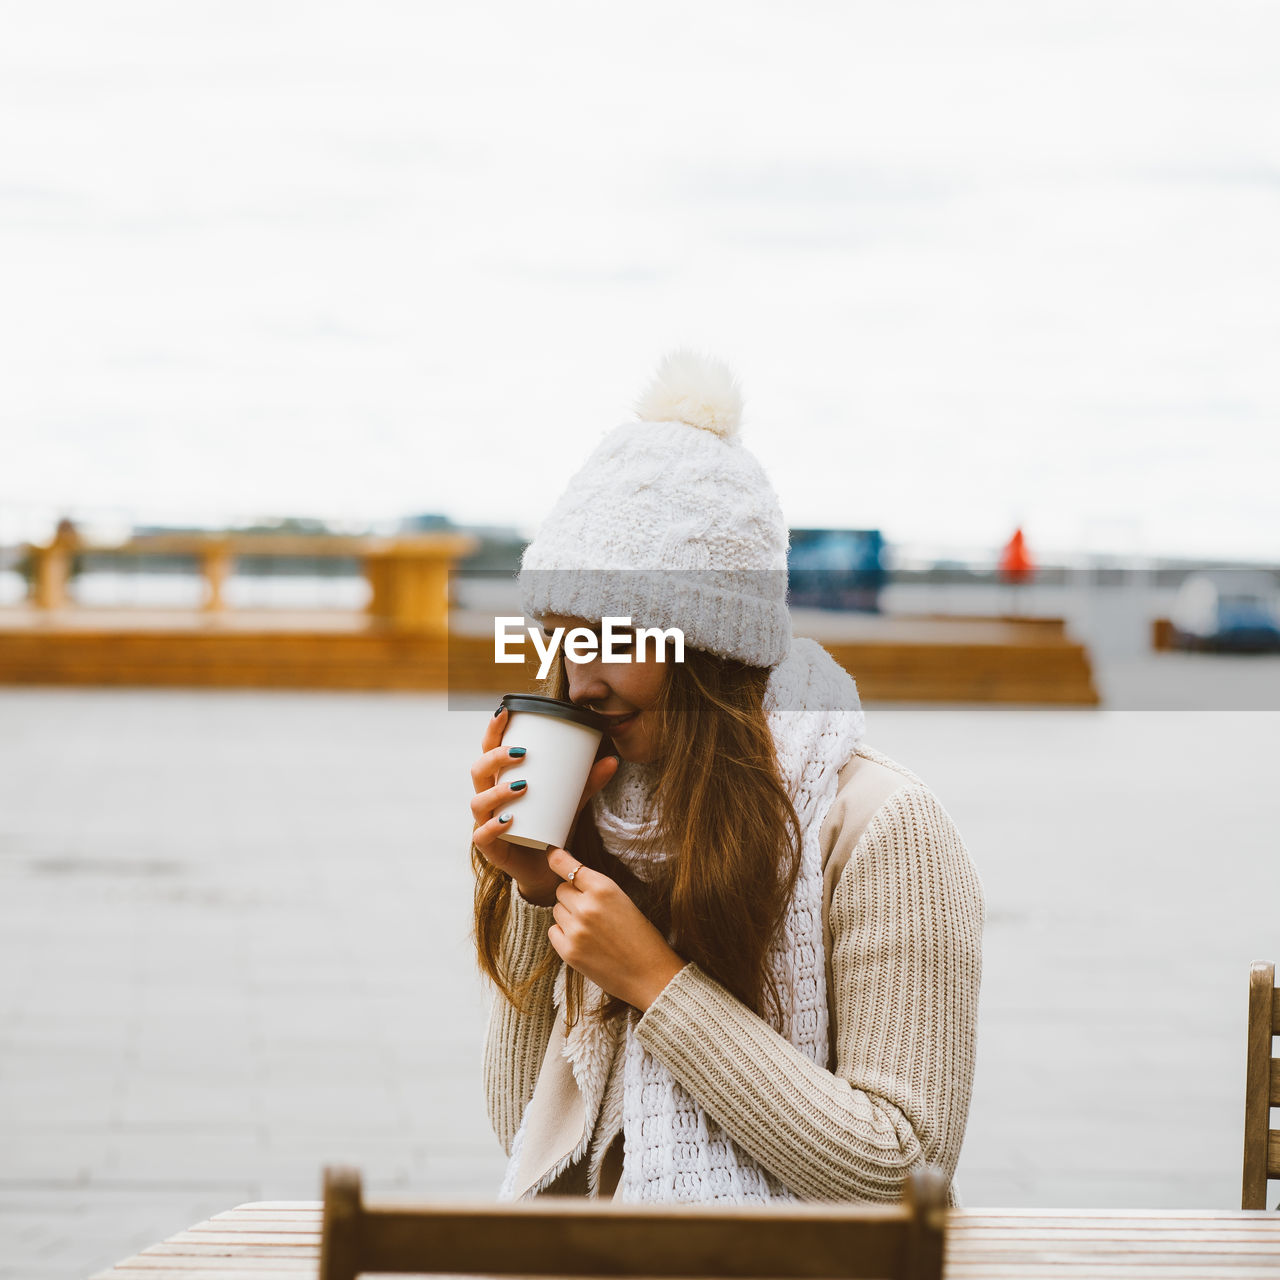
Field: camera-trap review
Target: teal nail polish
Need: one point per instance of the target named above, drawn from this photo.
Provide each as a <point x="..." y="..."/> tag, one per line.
<point x="516" y="751"/>
<point x="499" y="711"/>
<point x="519" y="785"/>
<point x="504" y="817"/>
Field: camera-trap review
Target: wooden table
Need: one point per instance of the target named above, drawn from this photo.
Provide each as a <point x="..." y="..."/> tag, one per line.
<point x="273" y="1239"/>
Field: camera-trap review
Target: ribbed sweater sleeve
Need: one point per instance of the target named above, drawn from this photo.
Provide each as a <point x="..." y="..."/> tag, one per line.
<point x="907" y="917"/>
<point x="515" y="1043"/>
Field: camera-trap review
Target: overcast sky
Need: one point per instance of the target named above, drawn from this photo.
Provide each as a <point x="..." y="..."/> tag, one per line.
<point x="974" y="263"/>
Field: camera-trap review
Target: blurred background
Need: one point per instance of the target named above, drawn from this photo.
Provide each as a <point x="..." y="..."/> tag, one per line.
<point x="309" y="313"/>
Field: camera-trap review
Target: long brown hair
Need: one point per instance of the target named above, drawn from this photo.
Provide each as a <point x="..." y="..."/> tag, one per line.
<point x="726" y="821"/>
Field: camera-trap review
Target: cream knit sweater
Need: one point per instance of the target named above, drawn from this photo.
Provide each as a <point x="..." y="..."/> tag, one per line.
<point x="906" y="956"/>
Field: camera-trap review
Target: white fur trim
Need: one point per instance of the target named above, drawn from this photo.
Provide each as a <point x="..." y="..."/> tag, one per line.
<point x="694" y="389"/>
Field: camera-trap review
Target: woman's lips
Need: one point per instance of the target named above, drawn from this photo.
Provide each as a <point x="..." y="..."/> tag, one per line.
<point x="623" y="723"/>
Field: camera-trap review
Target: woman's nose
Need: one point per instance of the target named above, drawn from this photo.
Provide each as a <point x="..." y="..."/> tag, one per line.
<point x="586" y="683"/>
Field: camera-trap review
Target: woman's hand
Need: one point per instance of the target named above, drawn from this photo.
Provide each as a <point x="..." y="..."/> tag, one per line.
<point x="491" y="808"/>
<point x="603" y="934"/>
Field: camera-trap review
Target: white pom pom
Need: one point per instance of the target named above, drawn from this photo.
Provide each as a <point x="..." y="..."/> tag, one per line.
<point x="696" y="390"/>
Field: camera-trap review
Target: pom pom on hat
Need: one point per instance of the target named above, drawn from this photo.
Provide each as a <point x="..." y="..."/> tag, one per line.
<point x="694" y="389"/>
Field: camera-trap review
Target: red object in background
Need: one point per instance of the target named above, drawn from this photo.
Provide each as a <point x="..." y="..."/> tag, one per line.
<point x="1016" y="564"/>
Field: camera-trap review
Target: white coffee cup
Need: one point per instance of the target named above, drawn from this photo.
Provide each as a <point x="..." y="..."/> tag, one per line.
<point x="560" y="740"/>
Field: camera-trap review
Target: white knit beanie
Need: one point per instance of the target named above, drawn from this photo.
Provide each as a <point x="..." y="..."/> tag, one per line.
<point x="671" y="522"/>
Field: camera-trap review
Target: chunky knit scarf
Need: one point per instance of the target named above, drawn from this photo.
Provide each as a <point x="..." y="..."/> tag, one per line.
<point x="672" y="1150"/>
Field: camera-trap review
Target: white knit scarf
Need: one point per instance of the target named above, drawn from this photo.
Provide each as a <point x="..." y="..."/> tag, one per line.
<point x="672" y="1150"/>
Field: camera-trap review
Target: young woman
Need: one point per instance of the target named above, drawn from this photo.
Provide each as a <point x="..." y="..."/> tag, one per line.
<point x="752" y="973"/>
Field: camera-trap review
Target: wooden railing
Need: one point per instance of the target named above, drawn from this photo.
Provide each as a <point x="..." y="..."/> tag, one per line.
<point x="408" y="575"/>
<point x="404" y="641"/>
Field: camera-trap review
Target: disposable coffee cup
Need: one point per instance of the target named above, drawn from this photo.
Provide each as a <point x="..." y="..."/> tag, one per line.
<point x="560" y="740"/>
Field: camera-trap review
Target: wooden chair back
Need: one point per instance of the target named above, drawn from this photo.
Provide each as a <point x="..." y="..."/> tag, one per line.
<point x="1261" y="1088"/>
<point x="571" y="1236"/>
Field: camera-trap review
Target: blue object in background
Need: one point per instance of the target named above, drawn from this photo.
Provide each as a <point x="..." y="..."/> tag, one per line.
<point x="836" y="569"/>
<point x="1246" y="623"/>
<point x="1227" y="610"/>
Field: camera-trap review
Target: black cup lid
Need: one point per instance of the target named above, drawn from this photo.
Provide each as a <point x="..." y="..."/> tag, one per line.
<point x="545" y="706"/>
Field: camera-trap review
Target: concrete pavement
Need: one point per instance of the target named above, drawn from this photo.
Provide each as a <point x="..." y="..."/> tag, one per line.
<point x="233" y="947"/>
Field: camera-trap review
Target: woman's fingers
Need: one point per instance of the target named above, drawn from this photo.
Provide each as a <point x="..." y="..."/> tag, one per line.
<point x="493" y="808"/>
<point x="492" y="735"/>
<point x="485" y="803"/>
<point x="487" y="837"/>
<point x="484" y="773"/>
<point x="564" y="864"/>
<point x="527" y="867"/>
<point x="497" y="755"/>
